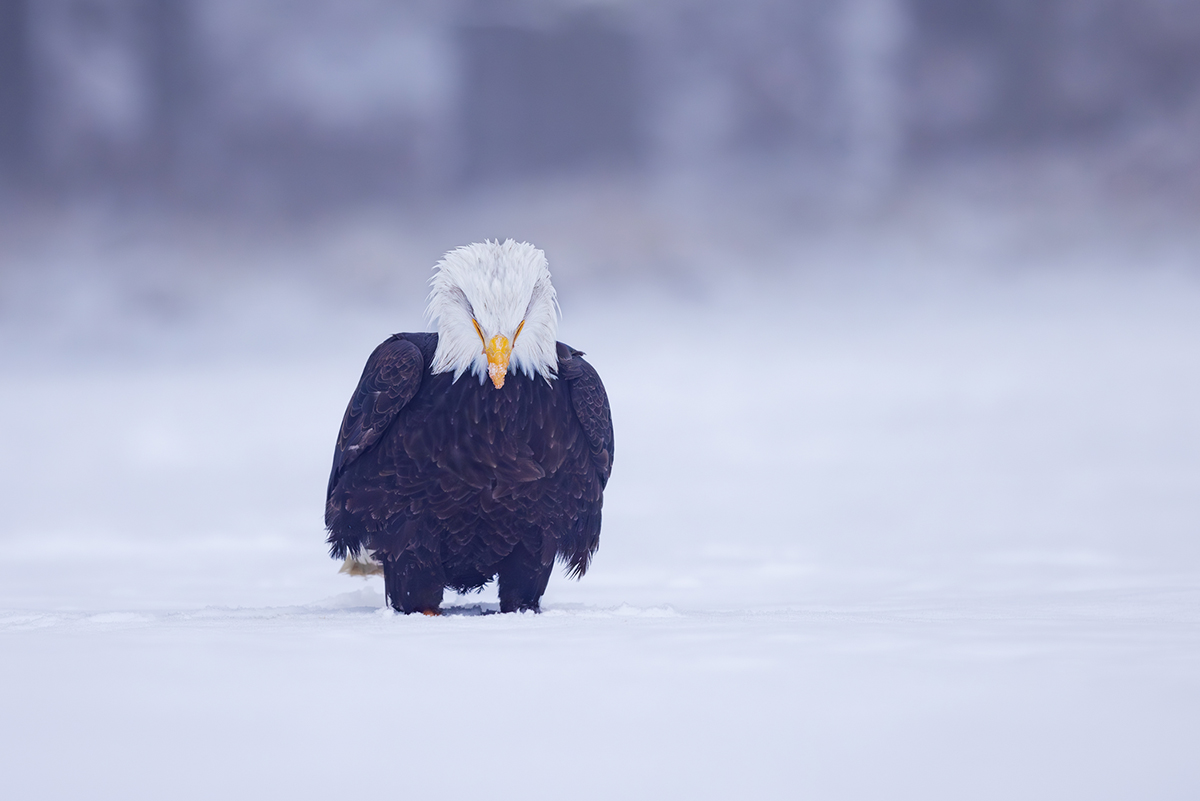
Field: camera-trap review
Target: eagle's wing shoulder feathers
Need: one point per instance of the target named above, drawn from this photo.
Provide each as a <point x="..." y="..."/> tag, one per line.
<point x="389" y="381"/>
<point x="590" y="403"/>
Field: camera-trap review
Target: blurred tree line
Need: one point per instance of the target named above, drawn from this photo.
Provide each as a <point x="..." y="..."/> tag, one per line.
<point x="219" y="101"/>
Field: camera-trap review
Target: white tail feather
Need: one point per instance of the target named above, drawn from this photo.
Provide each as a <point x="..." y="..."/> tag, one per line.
<point x="362" y="564"/>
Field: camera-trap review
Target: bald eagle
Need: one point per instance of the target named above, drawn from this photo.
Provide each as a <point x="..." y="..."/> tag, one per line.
<point x="478" y="452"/>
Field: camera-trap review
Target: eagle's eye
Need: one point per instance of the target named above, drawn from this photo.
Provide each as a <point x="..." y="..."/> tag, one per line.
<point x="478" y="331"/>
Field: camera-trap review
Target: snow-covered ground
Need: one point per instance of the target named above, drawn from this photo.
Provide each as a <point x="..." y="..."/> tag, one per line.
<point x="890" y="518"/>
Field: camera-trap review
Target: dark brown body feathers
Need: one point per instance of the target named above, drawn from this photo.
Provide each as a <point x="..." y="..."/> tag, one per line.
<point x="452" y="483"/>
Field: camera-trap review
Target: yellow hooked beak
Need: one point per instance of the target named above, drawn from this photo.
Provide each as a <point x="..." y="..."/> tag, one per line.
<point x="498" y="352"/>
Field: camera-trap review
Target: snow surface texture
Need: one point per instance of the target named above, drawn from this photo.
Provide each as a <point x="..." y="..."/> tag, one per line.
<point x="897" y="531"/>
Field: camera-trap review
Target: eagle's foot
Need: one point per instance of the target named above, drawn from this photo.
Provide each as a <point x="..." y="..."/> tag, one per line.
<point x="412" y="587"/>
<point x="522" y="579"/>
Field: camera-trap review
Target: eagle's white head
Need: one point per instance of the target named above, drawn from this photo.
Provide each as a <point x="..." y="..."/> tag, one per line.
<point x="494" y="307"/>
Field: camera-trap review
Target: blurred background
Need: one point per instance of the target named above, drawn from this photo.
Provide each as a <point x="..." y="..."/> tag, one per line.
<point x="304" y="107"/>
<point x="952" y="246"/>
<point x="267" y="108"/>
<point x="166" y="143"/>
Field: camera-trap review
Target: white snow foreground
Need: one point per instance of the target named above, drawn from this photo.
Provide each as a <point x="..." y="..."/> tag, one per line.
<point x="1057" y="680"/>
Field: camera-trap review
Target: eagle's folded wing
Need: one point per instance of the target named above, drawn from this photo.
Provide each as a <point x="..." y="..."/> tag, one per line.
<point x="590" y="403"/>
<point x="389" y="381"/>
